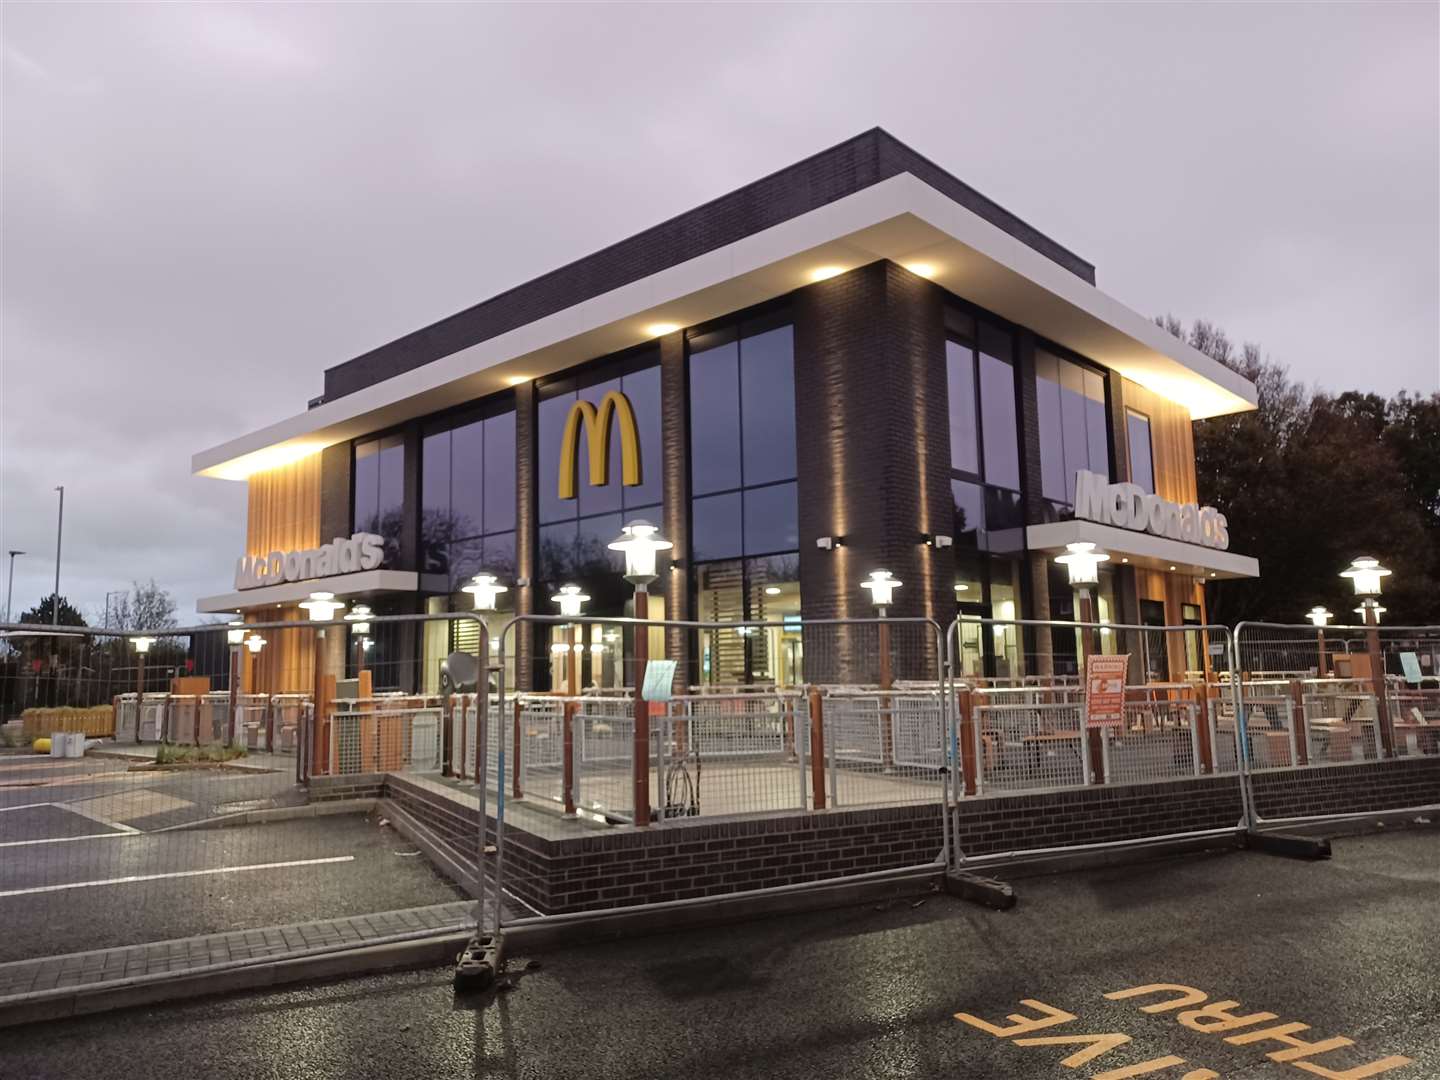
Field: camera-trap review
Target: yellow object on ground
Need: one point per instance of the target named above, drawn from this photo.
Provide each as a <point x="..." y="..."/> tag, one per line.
<point x="41" y="746"/>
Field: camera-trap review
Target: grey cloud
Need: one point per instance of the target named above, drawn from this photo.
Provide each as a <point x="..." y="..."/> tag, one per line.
<point x="205" y="205"/>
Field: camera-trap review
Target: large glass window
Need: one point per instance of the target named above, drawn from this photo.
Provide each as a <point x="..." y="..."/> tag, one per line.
<point x="984" y="437"/>
<point x="1074" y="435"/>
<point x="467" y="497"/>
<point x="738" y="590"/>
<point x="380" y="490"/>
<point x="742" y="439"/>
<point x="575" y="533"/>
<point x="1142" y="462"/>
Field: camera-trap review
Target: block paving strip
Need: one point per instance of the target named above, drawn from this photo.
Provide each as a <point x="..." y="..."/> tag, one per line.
<point x="21" y="979"/>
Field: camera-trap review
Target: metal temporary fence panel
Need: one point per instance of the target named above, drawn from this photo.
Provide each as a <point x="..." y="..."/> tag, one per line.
<point x="1321" y="702"/>
<point x="124" y="840"/>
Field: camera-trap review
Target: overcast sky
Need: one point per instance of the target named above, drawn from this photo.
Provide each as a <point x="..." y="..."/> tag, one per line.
<point x="205" y="206"/>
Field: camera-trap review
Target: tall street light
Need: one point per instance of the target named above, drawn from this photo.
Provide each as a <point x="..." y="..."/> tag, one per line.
<point x="571" y="600"/>
<point x="59" y="531"/>
<point x="359" y="619"/>
<point x="1083" y="563"/>
<point x="1365" y="573"/>
<point x="882" y="585"/>
<point x="10" y="587"/>
<point x="642" y="543"/>
<point x="321" y="607"/>
<point x="142" y="647"/>
<point x="1319" y="618"/>
<point x="235" y="637"/>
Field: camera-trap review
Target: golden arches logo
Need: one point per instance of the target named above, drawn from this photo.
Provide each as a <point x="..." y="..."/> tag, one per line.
<point x="614" y="405"/>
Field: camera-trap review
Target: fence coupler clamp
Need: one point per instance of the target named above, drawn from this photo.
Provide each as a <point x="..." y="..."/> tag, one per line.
<point x="477" y="966"/>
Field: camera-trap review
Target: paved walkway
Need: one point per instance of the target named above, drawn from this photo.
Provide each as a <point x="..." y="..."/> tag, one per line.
<point x="26" y="979"/>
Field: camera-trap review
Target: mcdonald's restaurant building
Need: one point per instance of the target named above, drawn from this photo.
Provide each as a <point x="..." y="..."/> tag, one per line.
<point x="857" y="362"/>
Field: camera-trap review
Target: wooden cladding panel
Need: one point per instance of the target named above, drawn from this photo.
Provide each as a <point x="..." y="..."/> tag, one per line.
<point x="283" y="515"/>
<point x="287" y="663"/>
<point x="284" y="508"/>
<point x="1172" y="441"/>
<point x="1174" y="591"/>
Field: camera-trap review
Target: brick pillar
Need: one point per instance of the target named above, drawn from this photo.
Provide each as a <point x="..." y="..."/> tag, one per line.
<point x="527" y="530"/>
<point x="873" y="456"/>
<point x="675" y="480"/>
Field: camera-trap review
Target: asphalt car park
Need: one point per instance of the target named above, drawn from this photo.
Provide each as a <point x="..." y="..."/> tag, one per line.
<point x="1233" y="965"/>
<point x="94" y="854"/>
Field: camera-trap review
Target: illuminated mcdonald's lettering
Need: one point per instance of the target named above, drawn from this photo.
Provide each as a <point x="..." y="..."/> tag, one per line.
<point x="597" y="432"/>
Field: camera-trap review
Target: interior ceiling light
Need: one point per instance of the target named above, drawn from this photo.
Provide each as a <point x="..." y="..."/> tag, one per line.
<point x="772" y="590"/>
<point x="820" y="273"/>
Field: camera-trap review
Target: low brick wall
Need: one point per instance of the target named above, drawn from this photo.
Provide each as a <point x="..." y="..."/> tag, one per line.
<point x="1371" y="786"/>
<point x="358" y="786"/>
<point x="709" y="858"/>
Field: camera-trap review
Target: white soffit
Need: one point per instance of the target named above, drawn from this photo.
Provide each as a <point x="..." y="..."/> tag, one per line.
<point x="1142" y="549"/>
<point x="292" y="592"/>
<point x="902" y="219"/>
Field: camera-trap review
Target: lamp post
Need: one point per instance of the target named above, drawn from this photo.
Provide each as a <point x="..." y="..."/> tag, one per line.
<point x="142" y="647"/>
<point x="882" y="585"/>
<point x="235" y="637"/>
<point x="1365" y="574"/>
<point x="10" y="586"/>
<point x="1319" y="617"/>
<point x="642" y="543"/>
<point x="1082" y="562"/>
<point x="359" y="619"/>
<point x="571" y="600"/>
<point x="59" y="531"/>
<point x="321" y="607"/>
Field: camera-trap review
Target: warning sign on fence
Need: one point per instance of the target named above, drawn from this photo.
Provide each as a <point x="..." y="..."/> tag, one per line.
<point x="1105" y="690"/>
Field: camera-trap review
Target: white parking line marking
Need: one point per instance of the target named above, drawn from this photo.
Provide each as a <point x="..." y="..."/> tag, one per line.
<point x="176" y="874"/>
<point x="68" y="839"/>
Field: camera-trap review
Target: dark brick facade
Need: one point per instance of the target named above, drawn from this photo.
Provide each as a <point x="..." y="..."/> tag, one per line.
<point x="527" y="532"/>
<point x="675" y="444"/>
<point x="842" y="170"/>
<point x="873" y="456"/>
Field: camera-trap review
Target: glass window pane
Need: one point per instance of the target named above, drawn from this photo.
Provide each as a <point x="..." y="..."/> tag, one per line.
<point x="715" y="419"/>
<point x="467" y="464"/>
<point x="715" y="528"/>
<point x="771" y="519"/>
<point x="960" y="373"/>
<point x="466" y="559"/>
<point x="499" y="555"/>
<point x="390" y="509"/>
<point x="1004" y="520"/>
<point x="1095" y="433"/>
<point x="767" y="388"/>
<point x="500" y="473"/>
<point x="1072" y="424"/>
<point x="969" y="515"/>
<point x="552" y="412"/>
<point x="435" y="531"/>
<point x="593" y="558"/>
<point x="642" y="388"/>
<point x="1002" y="439"/>
<point x="1047" y="411"/>
<point x="557" y="553"/>
<point x="1142" y="466"/>
<point x="367" y="486"/>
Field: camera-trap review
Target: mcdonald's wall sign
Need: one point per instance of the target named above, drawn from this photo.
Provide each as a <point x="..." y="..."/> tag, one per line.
<point x="596" y="422"/>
